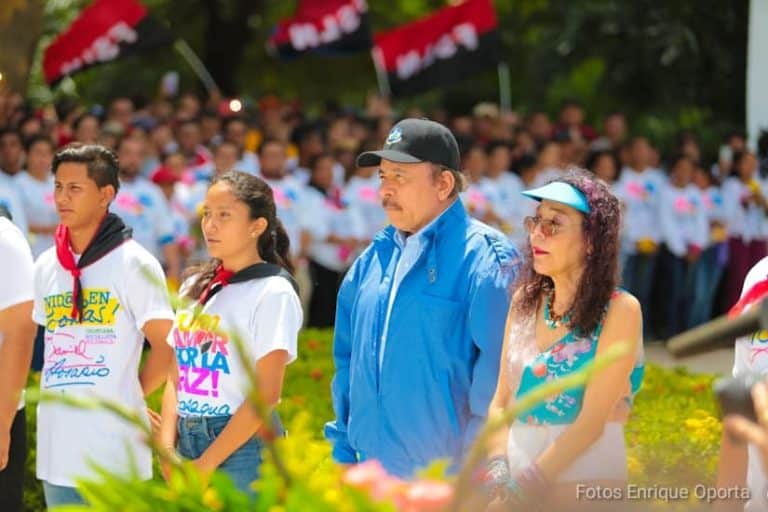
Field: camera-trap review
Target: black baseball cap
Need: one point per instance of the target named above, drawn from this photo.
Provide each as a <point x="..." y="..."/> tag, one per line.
<point x="416" y="140"/>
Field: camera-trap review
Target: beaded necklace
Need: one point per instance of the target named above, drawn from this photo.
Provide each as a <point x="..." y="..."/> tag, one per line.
<point x="551" y="319"/>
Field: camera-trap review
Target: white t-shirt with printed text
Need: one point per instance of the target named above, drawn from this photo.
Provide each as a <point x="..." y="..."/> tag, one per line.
<point x="98" y="358"/>
<point x="17" y="264"/>
<point x="751" y="357"/>
<point x="265" y="314"/>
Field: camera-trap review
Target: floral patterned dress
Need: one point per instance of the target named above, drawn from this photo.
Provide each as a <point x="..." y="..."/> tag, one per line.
<point x="536" y="428"/>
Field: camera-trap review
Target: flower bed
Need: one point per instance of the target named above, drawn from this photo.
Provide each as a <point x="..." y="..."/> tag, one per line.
<point x="672" y="441"/>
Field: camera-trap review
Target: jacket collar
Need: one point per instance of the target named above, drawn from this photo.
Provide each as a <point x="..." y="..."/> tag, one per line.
<point x="455" y="214"/>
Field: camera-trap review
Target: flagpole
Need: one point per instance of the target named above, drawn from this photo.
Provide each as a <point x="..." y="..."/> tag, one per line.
<point x="505" y="100"/>
<point x="196" y="64"/>
<point x="381" y="72"/>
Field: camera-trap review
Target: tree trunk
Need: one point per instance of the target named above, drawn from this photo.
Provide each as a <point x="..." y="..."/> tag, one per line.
<point x="21" y="24"/>
<point x="227" y="33"/>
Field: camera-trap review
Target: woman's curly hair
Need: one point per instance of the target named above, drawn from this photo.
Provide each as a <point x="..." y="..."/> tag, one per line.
<point x="601" y="274"/>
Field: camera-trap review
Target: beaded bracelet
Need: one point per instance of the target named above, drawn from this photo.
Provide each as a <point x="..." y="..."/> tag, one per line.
<point x="496" y="476"/>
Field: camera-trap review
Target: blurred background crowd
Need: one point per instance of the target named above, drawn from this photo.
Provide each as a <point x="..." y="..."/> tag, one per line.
<point x="692" y="227"/>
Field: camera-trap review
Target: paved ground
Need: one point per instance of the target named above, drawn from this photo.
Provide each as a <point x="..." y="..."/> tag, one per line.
<point x="719" y="360"/>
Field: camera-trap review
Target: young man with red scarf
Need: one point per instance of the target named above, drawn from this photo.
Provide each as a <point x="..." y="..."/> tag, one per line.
<point x="98" y="295"/>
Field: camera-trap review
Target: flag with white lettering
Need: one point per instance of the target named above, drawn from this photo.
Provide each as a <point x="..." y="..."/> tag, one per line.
<point x="442" y="48"/>
<point x="104" y="31"/>
<point x="324" y="27"/>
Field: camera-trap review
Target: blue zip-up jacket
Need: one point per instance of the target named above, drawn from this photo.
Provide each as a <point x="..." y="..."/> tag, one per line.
<point x="441" y="358"/>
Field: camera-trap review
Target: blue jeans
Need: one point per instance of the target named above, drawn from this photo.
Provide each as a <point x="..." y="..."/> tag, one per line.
<point x="196" y="434"/>
<point x="637" y="279"/>
<point x="706" y="277"/>
<point x="56" y="495"/>
<point x="673" y="272"/>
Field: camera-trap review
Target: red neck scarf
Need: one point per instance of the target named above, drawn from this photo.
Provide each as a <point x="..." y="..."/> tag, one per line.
<point x="111" y="234"/>
<point x="755" y="294"/>
<point x="221" y="278"/>
<point x="256" y="271"/>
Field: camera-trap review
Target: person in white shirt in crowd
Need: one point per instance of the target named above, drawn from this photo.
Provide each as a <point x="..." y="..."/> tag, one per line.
<point x="688" y="145"/>
<point x="336" y="234"/>
<point x="734" y="143"/>
<point x="475" y="198"/>
<point x="141" y="205"/>
<point x="98" y="294"/>
<point x="120" y="112"/>
<point x="309" y="140"/>
<point x="345" y="153"/>
<point x="614" y="133"/>
<point x="35" y="186"/>
<point x="30" y="126"/>
<point x="289" y="199"/>
<point x="245" y="289"/>
<point x="166" y="180"/>
<point x="86" y="128"/>
<point x="638" y="190"/>
<point x="528" y="169"/>
<point x="190" y="194"/>
<point x="110" y="134"/>
<point x="210" y="128"/>
<point x="176" y="164"/>
<point x="362" y="193"/>
<point x="539" y="126"/>
<point x="188" y="139"/>
<point x="287" y="191"/>
<point x="189" y="105"/>
<point x="11" y="153"/>
<point x="16" y="334"/>
<point x="523" y="145"/>
<point x="161" y="141"/>
<point x="655" y="165"/>
<point x="685" y="231"/>
<point x="709" y="268"/>
<point x="10" y="202"/>
<point x="548" y="164"/>
<point x="235" y="131"/>
<point x="573" y="148"/>
<point x="503" y="189"/>
<point x="606" y="166"/>
<point x="744" y="199"/>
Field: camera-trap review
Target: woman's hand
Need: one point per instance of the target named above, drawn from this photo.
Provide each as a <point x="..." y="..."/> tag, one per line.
<point x="748" y="431"/>
<point x="205" y="470"/>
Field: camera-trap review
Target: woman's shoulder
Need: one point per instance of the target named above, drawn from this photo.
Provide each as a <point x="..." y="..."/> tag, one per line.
<point x="623" y="311"/>
<point x="623" y="302"/>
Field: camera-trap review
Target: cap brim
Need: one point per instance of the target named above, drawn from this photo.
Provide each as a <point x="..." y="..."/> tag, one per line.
<point x="562" y="193"/>
<point x="372" y="158"/>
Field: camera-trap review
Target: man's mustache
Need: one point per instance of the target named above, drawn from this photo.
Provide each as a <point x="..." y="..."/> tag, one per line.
<point x="389" y="203"/>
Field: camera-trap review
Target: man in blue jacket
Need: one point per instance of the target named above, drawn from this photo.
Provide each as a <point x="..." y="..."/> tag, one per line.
<point x="420" y="315"/>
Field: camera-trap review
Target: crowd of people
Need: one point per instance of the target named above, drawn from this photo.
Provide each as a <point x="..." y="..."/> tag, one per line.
<point x="462" y="264"/>
<point x="694" y="223"/>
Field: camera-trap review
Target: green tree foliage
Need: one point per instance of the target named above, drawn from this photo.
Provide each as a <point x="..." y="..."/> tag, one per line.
<point x="643" y="57"/>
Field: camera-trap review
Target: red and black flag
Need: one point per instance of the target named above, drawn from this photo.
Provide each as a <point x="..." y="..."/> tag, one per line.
<point x="445" y="47"/>
<point x="324" y="27"/>
<point x="104" y="31"/>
